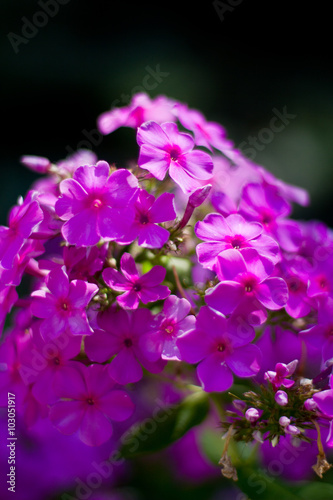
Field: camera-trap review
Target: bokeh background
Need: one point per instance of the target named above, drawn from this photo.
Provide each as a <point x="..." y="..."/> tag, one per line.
<point x="235" y="66"/>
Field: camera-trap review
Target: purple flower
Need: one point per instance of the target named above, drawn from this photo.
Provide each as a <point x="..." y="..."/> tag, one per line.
<point x="281" y="397"/>
<point x="320" y="335"/>
<point x="172" y="322"/>
<point x="324" y="401"/>
<point x="88" y="403"/>
<point x="265" y="204"/>
<point x="63" y="306"/>
<point x="220" y="350"/>
<point x="284" y="421"/>
<point x="140" y="110"/>
<point x="244" y="280"/>
<point x="148" y="214"/>
<point x="163" y="148"/>
<point x="293" y="272"/>
<point x="121" y="335"/>
<point x="206" y="134"/>
<point x="146" y="288"/>
<point x="96" y="205"/>
<point x="23" y="218"/>
<point x="280" y="375"/>
<point x="233" y="232"/>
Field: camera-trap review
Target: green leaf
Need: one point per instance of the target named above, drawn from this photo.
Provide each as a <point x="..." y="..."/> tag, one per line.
<point x="316" y="491"/>
<point x="166" y="426"/>
<point x="260" y="486"/>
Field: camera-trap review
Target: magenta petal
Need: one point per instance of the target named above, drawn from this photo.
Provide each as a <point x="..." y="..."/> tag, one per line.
<point x="42" y="304"/>
<point x="213" y="228"/>
<point x="229" y="264"/>
<point x="239" y="226"/>
<point x="197" y="164"/>
<point x="52" y="327"/>
<point x="153" y="277"/>
<point x="42" y="389"/>
<point x="273" y="293"/>
<point x="117" y="405"/>
<point x="95" y="428"/>
<point x="121" y="188"/>
<point x="156" y="161"/>
<point x="72" y="200"/>
<point x="153" y="236"/>
<point x="128" y="267"/>
<point x="152" y="294"/>
<point x="185" y="181"/>
<point x="324" y="400"/>
<point x="152" y="133"/>
<point x="129" y="300"/>
<point x="214" y="374"/>
<point x="81" y="293"/>
<point x="194" y="346"/>
<point x="81" y="230"/>
<point x="92" y="177"/>
<point x="101" y="346"/>
<point x="125" y="368"/>
<point x="225" y="296"/>
<point x="115" y="280"/>
<point x="245" y="361"/>
<point x="78" y="324"/>
<point x="176" y="308"/>
<point x="163" y="209"/>
<point x="57" y="282"/>
<point x="66" y="416"/>
<point x="70" y="381"/>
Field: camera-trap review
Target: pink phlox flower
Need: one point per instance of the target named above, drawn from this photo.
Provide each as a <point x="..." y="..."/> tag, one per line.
<point x="263" y="203"/>
<point x="290" y="192"/>
<point x="83" y="263"/>
<point x="281" y="374"/>
<point x="149" y="212"/>
<point x="63" y="305"/>
<point x="141" y="109"/>
<point x="46" y="359"/>
<point x="23" y="219"/>
<point x="136" y="287"/>
<point x="23" y="261"/>
<point x="320" y="335"/>
<point x="219" y="348"/>
<point x="245" y="280"/>
<point x="233" y="232"/>
<point x="163" y="148"/>
<point x="294" y="271"/>
<point x="96" y="205"/>
<point x="88" y="401"/>
<point x="172" y="322"/>
<point x="122" y="336"/>
<point x="207" y="134"/>
<point x="321" y="276"/>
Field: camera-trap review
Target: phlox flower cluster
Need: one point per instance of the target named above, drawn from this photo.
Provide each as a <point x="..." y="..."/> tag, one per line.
<point x="186" y="267"/>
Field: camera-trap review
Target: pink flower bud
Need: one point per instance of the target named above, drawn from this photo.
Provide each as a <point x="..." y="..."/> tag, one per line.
<point x="281" y="398"/>
<point x="292" y="429"/>
<point x="310" y="404"/>
<point x="36" y="163"/>
<point x="239" y="405"/>
<point x="252" y="414"/>
<point x="284" y="421"/>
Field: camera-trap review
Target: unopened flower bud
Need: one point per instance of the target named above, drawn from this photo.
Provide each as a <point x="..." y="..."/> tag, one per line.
<point x="239" y="405"/>
<point x="257" y="436"/>
<point x="292" y="429"/>
<point x="281" y="398"/>
<point x="284" y="421"/>
<point x="310" y="404"/>
<point x="252" y="414"/>
<point x="36" y="163"/>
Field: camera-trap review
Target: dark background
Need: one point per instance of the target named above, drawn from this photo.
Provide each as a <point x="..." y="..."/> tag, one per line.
<point x="234" y="67"/>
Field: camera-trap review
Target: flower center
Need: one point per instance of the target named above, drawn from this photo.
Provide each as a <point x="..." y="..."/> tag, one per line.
<point x="237" y="243"/>
<point x="56" y="361"/>
<point x="128" y="342"/>
<point x="64" y="306"/>
<point x="97" y="203"/>
<point x="143" y="219"/>
<point x="137" y="287"/>
<point x="220" y="347"/>
<point x="174" y="154"/>
<point x="90" y="401"/>
<point x="169" y="328"/>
